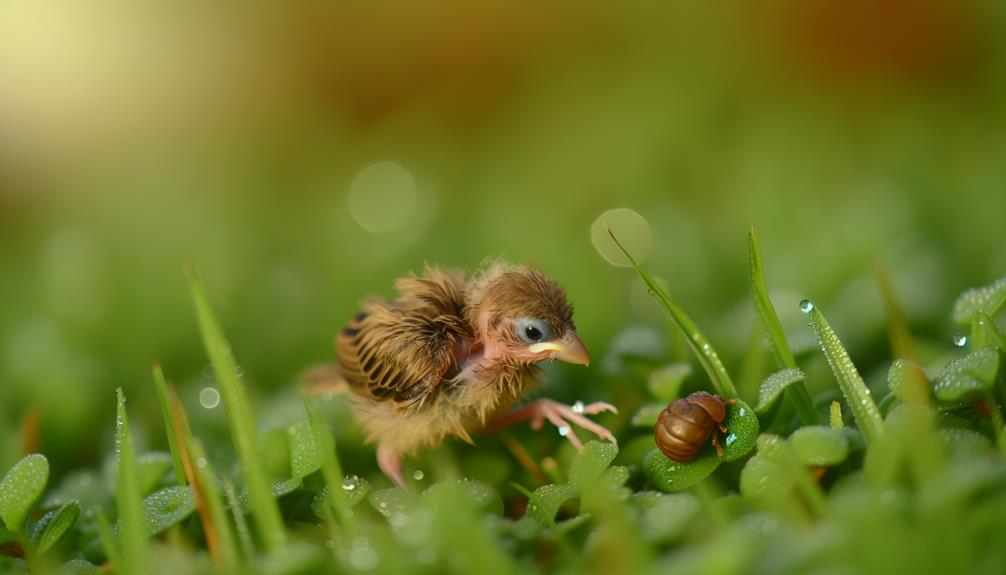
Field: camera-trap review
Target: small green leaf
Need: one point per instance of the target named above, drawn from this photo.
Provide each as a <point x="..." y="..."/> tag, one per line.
<point x="853" y="387"/>
<point x="305" y="457"/>
<point x="817" y="445"/>
<point x="590" y="463"/>
<point x="546" y="501"/>
<point x="835" y="418"/>
<point x="664" y="517"/>
<point x="21" y="488"/>
<point x="54" y="525"/>
<point x="78" y="567"/>
<point x="274" y="451"/>
<point x="665" y="383"/>
<point x="985" y="332"/>
<point x="355" y="489"/>
<point x="969" y="375"/>
<point x="670" y="476"/>
<point x="482" y="497"/>
<point x="987" y="300"/>
<point x="167" y="507"/>
<point x="761" y="474"/>
<point x="773" y="386"/>
<point x="742" y="431"/>
<point x="390" y="500"/>
<point x="647" y="414"/>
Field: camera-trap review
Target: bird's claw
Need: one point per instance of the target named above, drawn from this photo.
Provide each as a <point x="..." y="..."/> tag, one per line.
<point x="562" y="415"/>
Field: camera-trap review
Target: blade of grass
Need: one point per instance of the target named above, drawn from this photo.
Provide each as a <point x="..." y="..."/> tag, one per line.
<point x="836" y="416"/>
<point x="797" y="393"/>
<point x="199" y="474"/>
<point x="108" y="543"/>
<point x="902" y="345"/>
<point x="331" y="469"/>
<point x="161" y="384"/>
<point x="864" y="410"/>
<point x="697" y="341"/>
<point x="239" y="416"/>
<point x="244" y="533"/>
<point x="133" y="527"/>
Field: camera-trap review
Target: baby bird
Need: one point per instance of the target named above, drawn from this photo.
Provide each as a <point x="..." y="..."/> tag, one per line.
<point x="452" y="353"/>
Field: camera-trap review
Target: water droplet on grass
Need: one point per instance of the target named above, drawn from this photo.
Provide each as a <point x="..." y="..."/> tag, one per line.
<point x="959" y="339"/>
<point x="564" y="430"/>
<point x="806" y="306"/>
<point x="418" y="475"/>
<point x="578" y="407"/>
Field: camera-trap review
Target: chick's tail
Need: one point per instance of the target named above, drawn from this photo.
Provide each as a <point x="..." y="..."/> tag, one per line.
<point x="323" y="379"/>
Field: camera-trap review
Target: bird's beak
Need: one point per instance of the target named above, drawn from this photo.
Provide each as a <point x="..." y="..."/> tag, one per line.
<point x="569" y="349"/>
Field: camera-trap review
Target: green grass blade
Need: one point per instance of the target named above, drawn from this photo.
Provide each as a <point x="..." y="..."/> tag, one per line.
<point x="835" y="419"/>
<point x="133" y="527"/>
<point x="209" y="503"/>
<point x="239" y="415"/>
<point x="796" y="393"/>
<point x="164" y="398"/>
<point x="331" y="469"/>
<point x="244" y="533"/>
<point x="198" y="472"/>
<point x="864" y="409"/>
<point x="697" y="341"/>
<point x="108" y="543"/>
<point x="902" y="344"/>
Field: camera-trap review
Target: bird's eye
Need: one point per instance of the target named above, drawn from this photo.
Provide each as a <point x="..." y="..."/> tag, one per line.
<point x="532" y="330"/>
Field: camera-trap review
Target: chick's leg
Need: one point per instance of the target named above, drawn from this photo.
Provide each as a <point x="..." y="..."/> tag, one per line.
<point x="560" y="415"/>
<point x="390" y="462"/>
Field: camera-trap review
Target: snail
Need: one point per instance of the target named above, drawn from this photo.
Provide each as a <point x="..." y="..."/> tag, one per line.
<point x="685" y="426"/>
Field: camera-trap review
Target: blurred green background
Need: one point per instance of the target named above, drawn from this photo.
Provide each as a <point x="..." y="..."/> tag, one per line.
<point x="305" y="155"/>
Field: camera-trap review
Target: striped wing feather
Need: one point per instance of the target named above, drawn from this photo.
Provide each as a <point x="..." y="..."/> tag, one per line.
<point x="402" y="350"/>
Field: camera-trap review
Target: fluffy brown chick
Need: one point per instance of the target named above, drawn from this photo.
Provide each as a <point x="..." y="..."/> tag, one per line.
<point x="452" y="353"/>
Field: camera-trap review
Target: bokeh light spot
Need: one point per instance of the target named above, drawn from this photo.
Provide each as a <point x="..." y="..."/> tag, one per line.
<point x="382" y="197"/>
<point x="631" y="229"/>
<point x="209" y="397"/>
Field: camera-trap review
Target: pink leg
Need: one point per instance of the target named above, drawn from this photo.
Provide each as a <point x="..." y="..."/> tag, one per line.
<point x="561" y="416"/>
<point x="390" y="462"/>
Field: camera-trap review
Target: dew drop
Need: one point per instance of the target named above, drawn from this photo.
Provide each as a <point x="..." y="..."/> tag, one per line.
<point x="418" y="475"/>
<point x="730" y="439"/>
<point x="239" y="371"/>
<point x="564" y="430"/>
<point x="201" y="462"/>
<point x="578" y="407"/>
<point x="350" y="483"/>
<point x="806" y="306"/>
<point x="959" y="339"/>
<point x="209" y="397"/>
